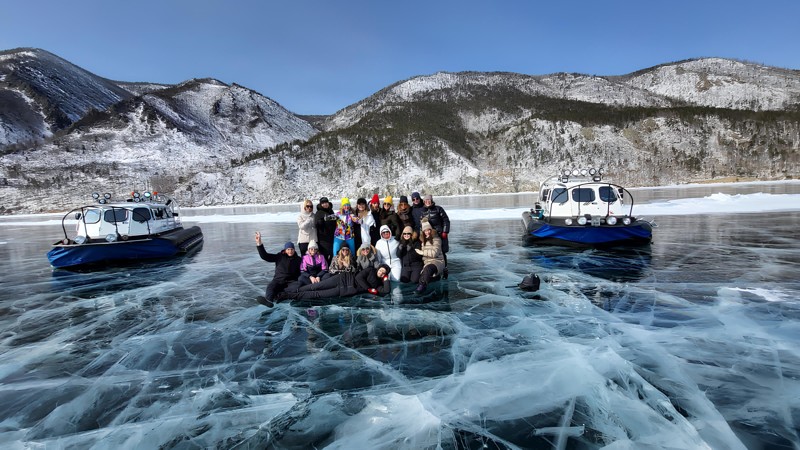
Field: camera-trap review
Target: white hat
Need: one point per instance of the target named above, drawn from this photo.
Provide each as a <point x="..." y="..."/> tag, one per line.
<point x="313" y="244"/>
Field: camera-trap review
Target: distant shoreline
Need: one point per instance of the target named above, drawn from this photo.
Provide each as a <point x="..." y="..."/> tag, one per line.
<point x="716" y="181"/>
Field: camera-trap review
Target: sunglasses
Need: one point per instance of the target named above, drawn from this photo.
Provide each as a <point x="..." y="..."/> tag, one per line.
<point x="406" y="234"/>
<point x="308" y="206"/>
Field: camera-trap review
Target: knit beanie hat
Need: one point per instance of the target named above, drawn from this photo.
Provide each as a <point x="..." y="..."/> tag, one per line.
<point x="375" y="200"/>
<point x="385" y="267"/>
<point x="365" y="245"/>
<point x="426" y="225"/>
<point x="313" y="244"/>
<point x="345" y="201"/>
<point x="324" y="200"/>
<point x="388" y="199"/>
<point x="403" y="199"/>
<point x="361" y="201"/>
<point x="428" y="197"/>
<point x="415" y="195"/>
<point x="288" y="245"/>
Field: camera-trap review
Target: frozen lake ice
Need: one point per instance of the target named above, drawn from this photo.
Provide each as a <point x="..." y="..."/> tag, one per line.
<point x="691" y="342"/>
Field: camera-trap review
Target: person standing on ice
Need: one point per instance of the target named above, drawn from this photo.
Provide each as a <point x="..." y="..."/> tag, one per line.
<point x="387" y="252"/>
<point x="287" y="270"/>
<point x="305" y="223"/>
<point x="366" y="219"/>
<point x="375" y="209"/>
<point x="389" y="216"/>
<point x="325" y="224"/>
<point x="404" y="213"/>
<point x="346" y="221"/>
<point x="416" y="210"/>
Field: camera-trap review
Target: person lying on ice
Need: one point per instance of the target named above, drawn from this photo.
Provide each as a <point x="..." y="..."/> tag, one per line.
<point x="345" y="284"/>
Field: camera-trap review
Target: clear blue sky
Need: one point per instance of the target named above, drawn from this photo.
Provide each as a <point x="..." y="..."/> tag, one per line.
<point x="316" y="57"/>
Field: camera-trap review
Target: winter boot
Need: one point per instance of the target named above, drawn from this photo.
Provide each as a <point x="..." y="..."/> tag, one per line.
<point x="264" y="301"/>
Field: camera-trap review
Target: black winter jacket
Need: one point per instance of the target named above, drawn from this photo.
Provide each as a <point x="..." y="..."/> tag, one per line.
<point x="325" y="228"/>
<point x="287" y="268"/>
<point x="437" y="217"/>
<point x="368" y="279"/>
<point x="408" y="257"/>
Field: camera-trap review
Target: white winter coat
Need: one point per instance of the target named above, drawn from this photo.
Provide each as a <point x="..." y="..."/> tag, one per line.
<point x="305" y="223"/>
<point x="387" y="254"/>
<point x="366" y="223"/>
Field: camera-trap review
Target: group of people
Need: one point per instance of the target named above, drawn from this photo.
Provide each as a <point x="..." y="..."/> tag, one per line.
<point x="358" y="250"/>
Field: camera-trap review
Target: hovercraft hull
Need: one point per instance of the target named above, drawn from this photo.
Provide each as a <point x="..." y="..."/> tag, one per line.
<point x="539" y="231"/>
<point x="165" y="245"/>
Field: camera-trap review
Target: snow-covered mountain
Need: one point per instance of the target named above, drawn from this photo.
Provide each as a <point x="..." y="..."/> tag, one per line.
<point x="148" y="135"/>
<point x="722" y="83"/>
<point x="41" y="93"/>
<point x="459" y="133"/>
<point x="446" y="133"/>
<point x="711" y="82"/>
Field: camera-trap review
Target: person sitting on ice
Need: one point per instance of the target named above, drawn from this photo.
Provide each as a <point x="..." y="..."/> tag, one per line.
<point x="387" y="252"/>
<point x="313" y="267"/>
<point x="366" y="257"/>
<point x="343" y="262"/>
<point x="287" y="269"/>
<point x="432" y="256"/>
<point x="411" y="260"/>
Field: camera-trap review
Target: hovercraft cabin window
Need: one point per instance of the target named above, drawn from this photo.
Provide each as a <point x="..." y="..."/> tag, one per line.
<point x="141" y="215"/>
<point x="91" y="216"/>
<point x="161" y="213"/>
<point x="583" y="195"/>
<point x="560" y="195"/>
<point x="115" y="215"/>
<point x="607" y="194"/>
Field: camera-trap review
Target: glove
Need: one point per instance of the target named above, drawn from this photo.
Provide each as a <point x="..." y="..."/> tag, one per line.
<point x="444" y="235"/>
<point x="372" y="291"/>
<point x="385" y="277"/>
<point x="418" y="251"/>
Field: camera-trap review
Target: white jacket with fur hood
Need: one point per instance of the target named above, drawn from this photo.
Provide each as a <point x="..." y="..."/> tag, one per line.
<point x="387" y="253"/>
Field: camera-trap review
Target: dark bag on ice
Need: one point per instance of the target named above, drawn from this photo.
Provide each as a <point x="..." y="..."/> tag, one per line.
<point x="530" y="283"/>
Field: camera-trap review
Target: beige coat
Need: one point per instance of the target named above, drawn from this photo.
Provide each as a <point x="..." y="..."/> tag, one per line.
<point x="432" y="253"/>
<point x="305" y="224"/>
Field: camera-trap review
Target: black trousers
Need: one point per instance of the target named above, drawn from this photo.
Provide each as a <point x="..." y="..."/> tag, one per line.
<point x="428" y="274"/>
<point x="411" y="274"/>
<point x="275" y="287"/>
<point x="339" y="285"/>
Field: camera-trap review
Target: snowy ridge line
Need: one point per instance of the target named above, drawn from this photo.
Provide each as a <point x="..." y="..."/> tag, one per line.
<point x="712" y="204"/>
